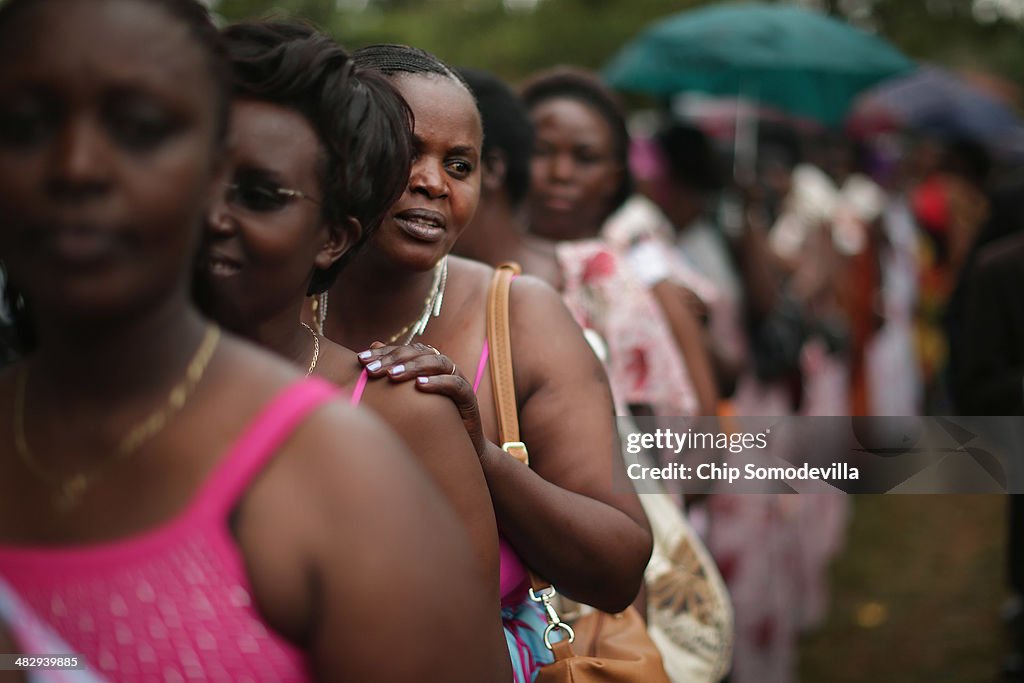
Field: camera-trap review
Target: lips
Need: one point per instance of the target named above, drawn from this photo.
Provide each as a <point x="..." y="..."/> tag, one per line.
<point x="558" y="204"/>
<point x="422" y="224"/>
<point x="222" y="265"/>
<point x="79" y="245"/>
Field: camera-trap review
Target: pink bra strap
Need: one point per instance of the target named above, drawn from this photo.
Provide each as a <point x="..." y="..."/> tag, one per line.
<point x="357" y="393"/>
<point x="261" y="441"/>
<point x="481" y="366"/>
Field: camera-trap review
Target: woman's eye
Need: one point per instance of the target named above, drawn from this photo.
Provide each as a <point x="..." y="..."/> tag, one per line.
<point x="259" y="198"/>
<point x="460" y="168"/>
<point x="138" y="123"/>
<point x="24" y="124"/>
<point x="140" y="133"/>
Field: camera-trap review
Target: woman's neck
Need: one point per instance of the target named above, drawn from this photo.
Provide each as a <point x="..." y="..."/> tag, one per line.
<point x="283" y="334"/>
<point x="497" y="233"/>
<point x="374" y="299"/>
<point x="106" y="360"/>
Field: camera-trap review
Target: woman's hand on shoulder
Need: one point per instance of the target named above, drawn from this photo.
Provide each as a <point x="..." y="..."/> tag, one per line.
<point x="434" y="373"/>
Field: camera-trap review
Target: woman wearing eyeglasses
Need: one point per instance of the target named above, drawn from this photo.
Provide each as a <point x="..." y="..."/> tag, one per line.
<point x="320" y="152"/>
<point x="175" y="503"/>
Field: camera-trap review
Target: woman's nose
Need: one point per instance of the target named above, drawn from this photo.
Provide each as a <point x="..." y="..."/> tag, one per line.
<point x="80" y="165"/>
<point x="219" y="220"/>
<point x="428" y="178"/>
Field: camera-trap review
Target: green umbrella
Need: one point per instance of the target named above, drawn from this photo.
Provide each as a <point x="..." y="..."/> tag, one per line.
<point x="798" y="60"/>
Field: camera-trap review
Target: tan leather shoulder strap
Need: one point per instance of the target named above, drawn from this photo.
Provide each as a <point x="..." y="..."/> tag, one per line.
<point x="499" y="338"/>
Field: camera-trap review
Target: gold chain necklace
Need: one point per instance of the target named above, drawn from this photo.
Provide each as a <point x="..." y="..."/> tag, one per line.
<point x="70" y="489"/>
<point x="316" y="350"/>
<point x="431" y="307"/>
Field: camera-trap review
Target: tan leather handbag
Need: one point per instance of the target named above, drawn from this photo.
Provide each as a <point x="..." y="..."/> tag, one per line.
<point x="613" y="648"/>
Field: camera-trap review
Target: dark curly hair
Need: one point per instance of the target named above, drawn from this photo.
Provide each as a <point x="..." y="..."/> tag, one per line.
<point x="362" y="122"/>
<point x="585" y="87"/>
<point x="507" y="127"/>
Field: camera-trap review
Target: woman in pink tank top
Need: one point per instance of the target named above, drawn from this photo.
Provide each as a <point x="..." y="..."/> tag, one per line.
<point x="176" y="504"/>
<point x="266" y="246"/>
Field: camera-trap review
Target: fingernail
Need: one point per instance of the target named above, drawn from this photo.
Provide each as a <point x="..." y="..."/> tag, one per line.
<point x="422" y="380"/>
<point x="374" y="366"/>
<point x="397" y="370"/>
<point x="365" y="354"/>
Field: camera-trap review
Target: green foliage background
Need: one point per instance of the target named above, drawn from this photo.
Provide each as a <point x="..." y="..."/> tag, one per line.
<point x="514" y="43"/>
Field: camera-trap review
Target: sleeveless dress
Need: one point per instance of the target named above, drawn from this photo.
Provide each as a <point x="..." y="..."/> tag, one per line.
<point x="172" y="603"/>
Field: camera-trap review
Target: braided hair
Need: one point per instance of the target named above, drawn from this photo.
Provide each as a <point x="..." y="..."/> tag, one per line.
<point x="394" y="60"/>
<point x="363" y="124"/>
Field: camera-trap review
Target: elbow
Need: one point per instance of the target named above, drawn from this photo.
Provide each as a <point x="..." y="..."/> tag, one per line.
<point x="623" y="590"/>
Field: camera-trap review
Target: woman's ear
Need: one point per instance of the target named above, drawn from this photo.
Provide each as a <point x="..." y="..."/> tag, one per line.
<point x="341" y="237"/>
<point x="494" y="170"/>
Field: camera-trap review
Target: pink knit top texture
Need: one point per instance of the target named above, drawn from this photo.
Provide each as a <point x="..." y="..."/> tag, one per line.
<point x="173" y="603"/>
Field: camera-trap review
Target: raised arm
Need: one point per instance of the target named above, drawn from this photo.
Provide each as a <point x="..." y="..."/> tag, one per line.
<point x="562" y="514"/>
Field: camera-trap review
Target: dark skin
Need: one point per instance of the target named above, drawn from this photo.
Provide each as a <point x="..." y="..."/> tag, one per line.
<point x="499" y="229"/>
<point x="103" y="189"/>
<point x="498" y="233"/>
<point x="562" y="514"/>
<point x="258" y="265"/>
<point x="574" y="179"/>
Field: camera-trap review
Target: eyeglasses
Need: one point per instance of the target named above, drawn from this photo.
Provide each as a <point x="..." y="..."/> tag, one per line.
<point x="263" y="197"/>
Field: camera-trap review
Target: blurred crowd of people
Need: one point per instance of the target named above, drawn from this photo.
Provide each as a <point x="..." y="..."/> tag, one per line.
<point x="248" y="371"/>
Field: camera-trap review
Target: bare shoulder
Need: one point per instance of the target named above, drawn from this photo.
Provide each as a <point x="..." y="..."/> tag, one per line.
<point x="337" y="364"/>
<point x="339" y="449"/>
<point x="532" y="293"/>
<point x="253" y="366"/>
<point x="547" y="343"/>
<point x="343" y="516"/>
<point x="467" y="268"/>
<point x="408" y="410"/>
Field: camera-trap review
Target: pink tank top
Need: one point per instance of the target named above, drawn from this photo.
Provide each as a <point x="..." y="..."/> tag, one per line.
<point x="173" y="603"/>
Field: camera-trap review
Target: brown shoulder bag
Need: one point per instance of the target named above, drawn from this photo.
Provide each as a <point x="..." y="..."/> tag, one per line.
<point x="615" y="647"/>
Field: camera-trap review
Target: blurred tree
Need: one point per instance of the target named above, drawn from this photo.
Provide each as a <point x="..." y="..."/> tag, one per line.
<point x="516" y="37"/>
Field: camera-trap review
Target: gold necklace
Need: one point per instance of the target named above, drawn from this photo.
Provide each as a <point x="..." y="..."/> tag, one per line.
<point x="431" y="307"/>
<point x="70" y="489"/>
<point x="316" y="349"/>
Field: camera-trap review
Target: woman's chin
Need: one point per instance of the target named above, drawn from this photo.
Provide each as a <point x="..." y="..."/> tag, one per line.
<point x="417" y="257"/>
